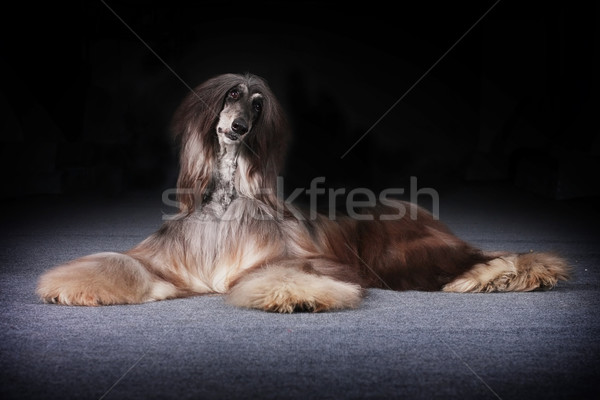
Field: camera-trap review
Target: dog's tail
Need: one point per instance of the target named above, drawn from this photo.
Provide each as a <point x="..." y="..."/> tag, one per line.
<point x="102" y="279"/>
<point x="511" y="272"/>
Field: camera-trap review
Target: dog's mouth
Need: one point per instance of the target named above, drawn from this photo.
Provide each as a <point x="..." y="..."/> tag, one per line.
<point x="231" y="135"/>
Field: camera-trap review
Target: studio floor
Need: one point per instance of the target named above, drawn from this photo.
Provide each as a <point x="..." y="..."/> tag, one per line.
<point x="413" y="345"/>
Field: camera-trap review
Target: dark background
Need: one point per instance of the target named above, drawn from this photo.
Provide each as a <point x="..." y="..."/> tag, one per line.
<point x="85" y="105"/>
<point x="508" y="120"/>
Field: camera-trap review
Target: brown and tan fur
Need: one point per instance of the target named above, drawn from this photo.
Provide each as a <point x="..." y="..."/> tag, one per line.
<point x="235" y="236"/>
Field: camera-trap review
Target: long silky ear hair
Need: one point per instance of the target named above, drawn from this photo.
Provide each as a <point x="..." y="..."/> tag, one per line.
<point x="261" y="154"/>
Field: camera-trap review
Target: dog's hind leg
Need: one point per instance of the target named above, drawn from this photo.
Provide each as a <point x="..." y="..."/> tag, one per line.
<point x="509" y="272"/>
<point x="102" y="279"/>
<point x="296" y="285"/>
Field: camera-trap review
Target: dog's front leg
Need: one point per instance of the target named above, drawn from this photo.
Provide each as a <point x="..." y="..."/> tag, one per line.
<point x="295" y="285"/>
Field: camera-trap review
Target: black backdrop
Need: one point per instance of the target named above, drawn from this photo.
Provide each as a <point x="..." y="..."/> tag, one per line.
<point x="85" y="105"/>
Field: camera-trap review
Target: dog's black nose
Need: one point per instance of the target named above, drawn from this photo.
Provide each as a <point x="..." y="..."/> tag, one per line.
<point x="239" y="126"/>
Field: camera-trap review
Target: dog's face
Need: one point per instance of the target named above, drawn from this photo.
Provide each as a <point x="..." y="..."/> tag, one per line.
<point x="241" y="109"/>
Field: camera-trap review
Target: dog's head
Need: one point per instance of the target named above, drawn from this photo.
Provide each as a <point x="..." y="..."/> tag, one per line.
<point x="230" y="110"/>
<point x="241" y="110"/>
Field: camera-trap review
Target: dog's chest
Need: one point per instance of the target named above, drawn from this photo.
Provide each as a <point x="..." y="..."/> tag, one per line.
<point x="225" y="244"/>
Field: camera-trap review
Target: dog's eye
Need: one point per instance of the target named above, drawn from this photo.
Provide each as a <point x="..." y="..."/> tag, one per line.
<point x="257" y="107"/>
<point x="234" y="94"/>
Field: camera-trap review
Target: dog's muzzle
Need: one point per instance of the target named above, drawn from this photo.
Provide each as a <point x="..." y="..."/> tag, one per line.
<point x="239" y="126"/>
<point x="231" y="135"/>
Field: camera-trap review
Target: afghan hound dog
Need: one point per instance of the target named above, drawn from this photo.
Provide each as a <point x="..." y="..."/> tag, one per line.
<point x="233" y="235"/>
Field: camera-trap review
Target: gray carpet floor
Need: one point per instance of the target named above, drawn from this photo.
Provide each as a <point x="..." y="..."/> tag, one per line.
<point x="541" y="345"/>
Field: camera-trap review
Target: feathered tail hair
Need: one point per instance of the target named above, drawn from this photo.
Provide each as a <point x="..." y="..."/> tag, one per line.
<point x="261" y="154"/>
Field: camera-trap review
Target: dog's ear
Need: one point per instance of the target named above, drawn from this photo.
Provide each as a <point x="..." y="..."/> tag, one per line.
<point x="196" y="165"/>
<point x="264" y="153"/>
<point x="193" y="124"/>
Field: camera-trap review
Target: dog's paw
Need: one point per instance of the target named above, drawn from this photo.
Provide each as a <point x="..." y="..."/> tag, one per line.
<point x="286" y="290"/>
<point x="502" y="283"/>
<point x="62" y="296"/>
<point x="58" y="287"/>
<point x="99" y="279"/>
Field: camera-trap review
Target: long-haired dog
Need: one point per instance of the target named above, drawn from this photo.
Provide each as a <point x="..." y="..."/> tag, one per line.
<point x="233" y="235"/>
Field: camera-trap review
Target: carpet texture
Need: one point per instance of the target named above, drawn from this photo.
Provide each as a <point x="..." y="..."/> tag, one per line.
<point x="541" y="345"/>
